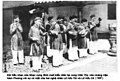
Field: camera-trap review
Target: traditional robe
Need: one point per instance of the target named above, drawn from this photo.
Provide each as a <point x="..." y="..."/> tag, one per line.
<point x="36" y="35"/>
<point x="93" y="31"/>
<point x="82" y="32"/>
<point x="17" y="43"/>
<point x="16" y="40"/>
<point x="72" y="34"/>
<point x="56" y="37"/>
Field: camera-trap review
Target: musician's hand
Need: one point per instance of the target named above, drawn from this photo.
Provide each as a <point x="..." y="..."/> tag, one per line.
<point x="54" y="32"/>
<point x="70" y="32"/>
<point x="45" y="33"/>
<point x="38" y="42"/>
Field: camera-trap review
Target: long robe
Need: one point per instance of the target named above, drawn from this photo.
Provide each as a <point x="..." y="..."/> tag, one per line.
<point x="56" y="37"/>
<point x="81" y="39"/>
<point x="71" y="34"/>
<point x="16" y="39"/>
<point x="36" y="35"/>
<point x="93" y="31"/>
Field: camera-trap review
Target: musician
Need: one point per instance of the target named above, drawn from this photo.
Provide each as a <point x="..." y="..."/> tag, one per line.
<point x="72" y="30"/>
<point x="56" y="34"/>
<point x="82" y="41"/>
<point x="64" y="25"/>
<point x="49" y="25"/>
<point x="57" y="42"/>
<point x="64" y="35"/>
<point x="17" y="41"/>
<point x="49" y="38"/>
<point x="36" y="34"/>
<point x="93" y="24"/>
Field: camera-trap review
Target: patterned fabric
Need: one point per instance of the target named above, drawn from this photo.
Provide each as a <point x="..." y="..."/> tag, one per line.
<point x="16" y="39"/>
<point x="36" y="35"/>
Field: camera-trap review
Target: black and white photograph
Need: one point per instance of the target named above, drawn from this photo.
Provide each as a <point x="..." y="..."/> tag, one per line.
<point x="57" y="36"/>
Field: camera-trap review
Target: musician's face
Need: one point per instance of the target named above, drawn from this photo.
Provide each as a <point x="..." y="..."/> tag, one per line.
<point x="65" y="22"/>
<point x="85" y="24"/>
<point x="16" y="20"/>
<point x="60" y="21"/>
<point x="75" y="19"/>
<point x="94" y="19"/>
<point x="72" y="20"/>
<point x="51" y="20"/>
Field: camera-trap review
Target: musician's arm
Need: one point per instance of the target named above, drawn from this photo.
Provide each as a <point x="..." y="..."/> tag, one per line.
<point x="92" y="25"/>
<point x="69" y="28"/>
<point x="87" y="29"/>
<point x="64" y="29"/>
<point x="30" y="33"/>
<point x="12" y="28"/>
<point x="20" y="28"/>
<point x="42" y="28"/>
<point x="43" y="33"/>
<point x="53" y="29"/>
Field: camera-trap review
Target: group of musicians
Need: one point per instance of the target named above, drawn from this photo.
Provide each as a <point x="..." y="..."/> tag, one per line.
<point x="55" y="38"/>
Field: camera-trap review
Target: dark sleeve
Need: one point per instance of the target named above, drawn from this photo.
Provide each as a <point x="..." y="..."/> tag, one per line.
<point x="47" y="27"/>
<point x="61" y="28"/>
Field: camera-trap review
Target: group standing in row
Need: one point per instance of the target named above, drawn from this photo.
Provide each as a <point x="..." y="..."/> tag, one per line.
<point x="56" y="38"/>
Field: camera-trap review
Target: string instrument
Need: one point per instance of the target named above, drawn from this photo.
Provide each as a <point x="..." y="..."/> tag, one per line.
<point x="93" y="33"/>
<point x="82" y="31"/>
<point x="93" y="25"/>
<point x="73" y="32"/>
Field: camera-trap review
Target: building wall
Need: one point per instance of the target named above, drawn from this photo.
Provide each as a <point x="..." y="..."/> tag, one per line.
<point x="64" y="11"/>
<point x="7" y="20"/>
<point x="100" y="10"/>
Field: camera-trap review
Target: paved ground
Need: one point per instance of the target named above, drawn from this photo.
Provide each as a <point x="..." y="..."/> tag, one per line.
<point x="107" y="64"/>
<point x="100" y="62"/>
<point x="92" y="63"/>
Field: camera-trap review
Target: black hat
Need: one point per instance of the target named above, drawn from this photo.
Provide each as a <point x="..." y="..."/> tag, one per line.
<point x="64" y="19"/>
<point x="60" y="17"/>
<point x="72" y="17"/>
<point x="49" y="18"/>
<point x="83" y="20"/>
<point x="15" y="16"/>
<point x="92" y="16"/>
